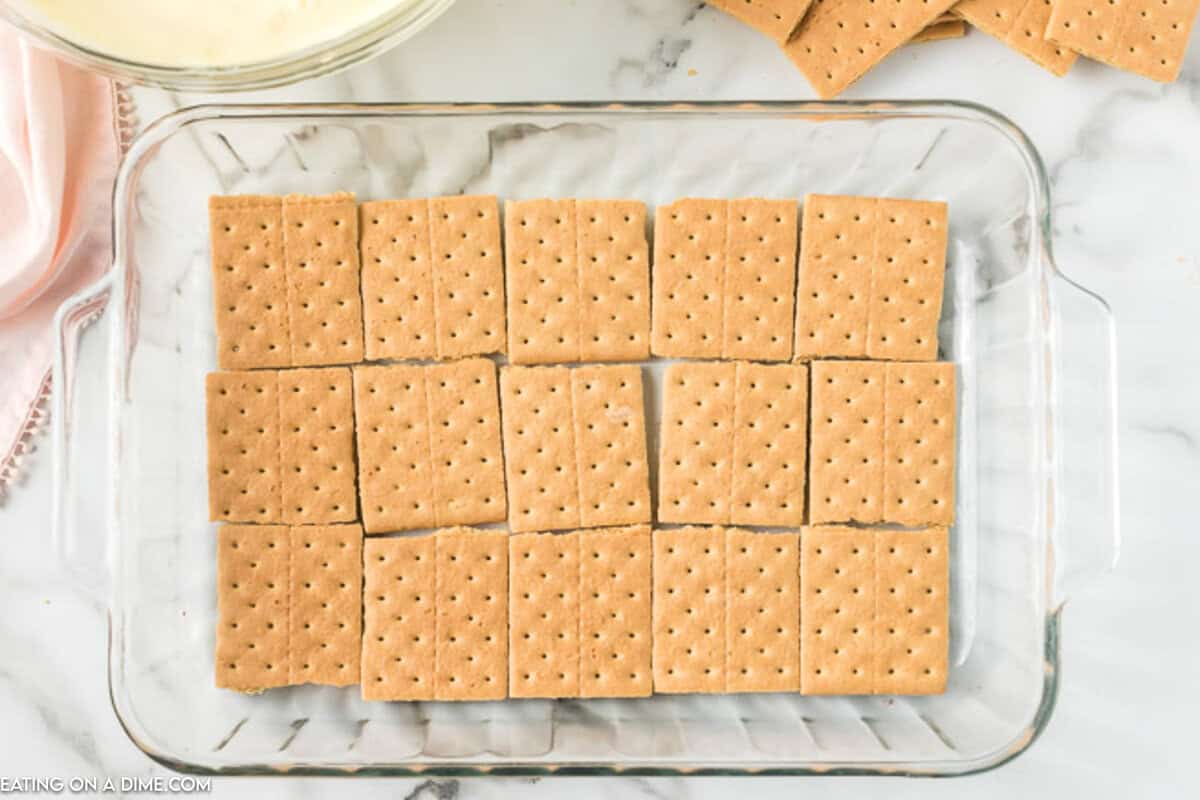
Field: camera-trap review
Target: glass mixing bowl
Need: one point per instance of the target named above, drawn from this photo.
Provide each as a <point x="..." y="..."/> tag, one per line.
<point x="405" y="19"/>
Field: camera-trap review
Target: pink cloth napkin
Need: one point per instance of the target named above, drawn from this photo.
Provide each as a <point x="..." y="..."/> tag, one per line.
<point x="59" y="148"/>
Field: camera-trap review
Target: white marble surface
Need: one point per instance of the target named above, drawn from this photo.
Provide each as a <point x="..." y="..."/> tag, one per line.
<point x="1124" y="155"/>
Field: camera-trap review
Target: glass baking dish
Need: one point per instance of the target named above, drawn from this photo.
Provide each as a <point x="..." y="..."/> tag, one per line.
<point x="1037" y="506"/>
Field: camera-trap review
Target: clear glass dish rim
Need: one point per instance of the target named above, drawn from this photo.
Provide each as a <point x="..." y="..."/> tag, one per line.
<point x="350" y="48"/>
<point x="145" y="145"/>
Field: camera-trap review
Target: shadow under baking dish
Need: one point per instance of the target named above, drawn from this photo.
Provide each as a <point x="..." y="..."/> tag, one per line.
<point x="1036" y="459"/>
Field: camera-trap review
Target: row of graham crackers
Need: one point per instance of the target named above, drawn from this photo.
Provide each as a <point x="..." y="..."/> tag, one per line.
<point x="467" y="614"/>
<point x="835" y="42"/>
<point x="558" y="448"/>
<point x="570" y="280"/>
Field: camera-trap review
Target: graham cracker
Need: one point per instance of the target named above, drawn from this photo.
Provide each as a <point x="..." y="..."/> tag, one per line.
<point x="429" y="450"/>
<point x="614" y="280"/>
<point x="918" y="476"/>
<point x="847" y="442"/>
<point x="320" y="256"/>
<point x="395" y="460"/>
<point x="399" y="319"/>
<point x="316" y="450"/>
<point x="472" y="615"/>
<point x="840" y="40"/>
<point x="760" y="279"/>
<point x="325" y="604"/>
<point x="689" y="276"/>
<point x="689" y="610"/>
<point x="610" y="445"/>
<point x="1147" y="37"/>
<point x="834" y="280"/>
<point x="252" y="607"/>
<point x="615" y="612"/>
<point x="770" y="442"/>
<point x="907" y="277"/>
<point x="468" y="275"/>
<point x="249" y="286"/>
<point x="399" y="618"/>
<point x="1020" y="24"/>
<point x="776" y="18"/>
<point x="912" y="611"/>
<point x="542" y="273"/>
<point x="837" y="610"/>
<point x="695" y="473"/>
<point x="539" y="447"/>
<point x="940" y="30"/>
<point x="544" y="615"/>
<point x="244" y="483"/>
<point x="468" y="464"/>
<point x="762" y="613"/>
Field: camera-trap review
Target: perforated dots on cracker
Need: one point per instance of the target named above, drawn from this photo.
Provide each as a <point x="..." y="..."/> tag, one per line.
<point x="870" y="278"/>
<point x="762" y="611"/>
<point x="1020" y="24"/>
<point x="919" y="444"/>
<point x="578" y="280"/>
<point x="244" y="482"/>
<point x="316" y="452"/>
<point x="472" y="614"/>
<point x="912" y="612"/>
<point x="1147" y="37"/>
<point x="399" y="618"/>
<point x="724" y="279"/>
<point x="837" y="610"/>
<point x="847" y="447"/>
<point x="615" y="612"/>
<point x="429" y="445"/>
<point x="776" y="18"/>
<point x="544" y="615"/>
<point x="689" y="610"/>
<point x="320" y="253"/>
<point x="325" y="604"/>
<point x="252" y="607"/>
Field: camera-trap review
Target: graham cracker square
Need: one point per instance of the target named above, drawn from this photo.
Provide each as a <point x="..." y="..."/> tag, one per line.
<point x="325" y="604"/>
<point x="907" y="275"/>
<point x="1020" y="24"/>
<point x="689" y="610"/>
<point x="249" y="286"/>
<point x="837" y="610"/>
<point x="472" y="615"/>
<point x="776" y="18"/>
<point x="544" y="615"/>
<point x="912" y="615"/>
<point x="762" y="613"/>
<point x="615" y="612"/>
<point x="468" y="275"/>
<point x="399" y="317"/>
<point x="316" y="450"/>
<point x="688" y="279"/>
<point x="1147" y="37"/>
<point x="320" y="255"/>
<point x="614" y="280"/>
<point x="760" y="279"/>
<point x="847" y="445"/>
<point x="242" y="410"/>
<point x="252" y="607"/>
<point x="695" y="472"/>
<point x="919" y="443"/>
<point x="399" y="618"/>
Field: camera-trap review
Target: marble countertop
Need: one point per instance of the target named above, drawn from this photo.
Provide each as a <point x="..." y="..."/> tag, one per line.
<point x="1124" y="156"/>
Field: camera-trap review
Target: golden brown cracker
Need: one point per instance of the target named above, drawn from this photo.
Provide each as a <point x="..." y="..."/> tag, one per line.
<point x="834" y="280"/>
<point x="395" y="463"/>
<point x="689" y="610"/>
<point x="760" y="279"/>
<point x="837" y="610"/>
<point x="325" y="604"/>
<point x="688" y="279"/>
<point x="912" y="618"/>
<point x="1020" y="24"/>
<point x="610" y="445"/>
<point x="1147" y="37"/>
<point x="320" y="256"/>
<point x="399" y="618"/>
<point x="249" y="284"/>
<point x="316" y="453"/>
<point x="468" y="275"/>
<point x="615" y="612"/>
<point x="919" y="444"/>
<point x="252" y="607"/>
<point x="614" y="280"/>
<point x="244" y="483"/>
<point x="542" y="281"/>
<point x="762" y="614"/>
<point x="695" y="452"/>
<point x="940" y="30"/>
<point x="840" y="40"/>
<point x="472" y="615"/>
<point x="776" y="18"/>
<point x="544" y="615"/>
<point x="847" y="442"/>
<point x="770" y="442"/>
<point x="397" y="280"/>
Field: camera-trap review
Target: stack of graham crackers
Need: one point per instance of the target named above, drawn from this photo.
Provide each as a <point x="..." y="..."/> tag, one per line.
<point x="835" y="42"/>
<point x="796" y="538"/>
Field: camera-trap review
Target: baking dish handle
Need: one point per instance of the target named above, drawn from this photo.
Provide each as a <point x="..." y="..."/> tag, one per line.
<point x="1084" y="501"/>
<point x="79" y="517"/>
